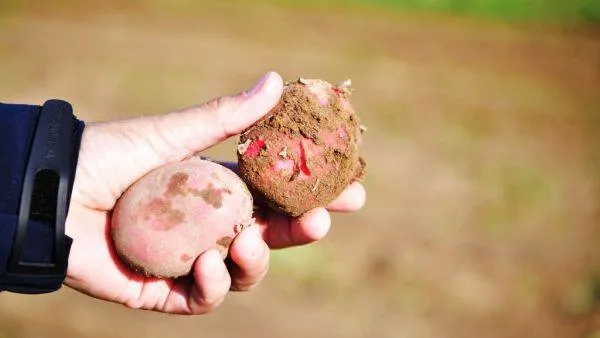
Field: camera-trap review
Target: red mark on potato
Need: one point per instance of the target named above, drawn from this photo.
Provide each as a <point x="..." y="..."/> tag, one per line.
<point x="303" y="160"/>
<point x="335" y="91"/>
<point x="254" y="148"/>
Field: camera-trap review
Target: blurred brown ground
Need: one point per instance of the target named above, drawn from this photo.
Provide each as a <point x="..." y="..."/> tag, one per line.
<point x="483" y="213"/>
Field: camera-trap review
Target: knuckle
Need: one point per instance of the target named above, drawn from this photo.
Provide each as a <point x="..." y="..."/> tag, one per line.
<point x="215" y="105"/>
<point x="249" y="282"/>
<point x="209" y="305"/>
<point x="218" y="109"/>
<point x="243" y="286"/>
<point x="134" y="304"/>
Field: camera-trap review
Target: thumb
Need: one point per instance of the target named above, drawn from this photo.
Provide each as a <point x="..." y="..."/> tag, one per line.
<point x="119" y="152"/>
<point x="194" y="129"/>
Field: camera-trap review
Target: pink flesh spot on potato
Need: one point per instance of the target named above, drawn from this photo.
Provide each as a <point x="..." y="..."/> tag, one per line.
<point x="323" y="100"/>
<point x="254" y="148"/>
<point x="283" y="165"/>
<point x="299" y="163"/>
<point x="333" y="139"/>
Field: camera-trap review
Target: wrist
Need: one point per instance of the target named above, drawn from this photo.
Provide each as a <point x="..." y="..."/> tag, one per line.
<point x="39" y="252"/>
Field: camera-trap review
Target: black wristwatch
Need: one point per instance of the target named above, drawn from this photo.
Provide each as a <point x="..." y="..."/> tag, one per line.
<point x="45" y="197"/>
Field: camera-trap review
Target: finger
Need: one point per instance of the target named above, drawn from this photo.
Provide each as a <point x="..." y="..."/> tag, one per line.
<point x="143" y="144"/>
<point x="250" y="259"/>
<point x="197" y="128"/>
<point x="281" y="231"/>
<point x="352" y="198"/>
<point x="212" y="282"/>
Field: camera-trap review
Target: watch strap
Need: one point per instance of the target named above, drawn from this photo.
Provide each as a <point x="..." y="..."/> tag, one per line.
<point x="39" y="253"/>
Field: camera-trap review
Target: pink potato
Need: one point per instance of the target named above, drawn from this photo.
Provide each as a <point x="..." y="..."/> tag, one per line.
<point x="166" y="219"/>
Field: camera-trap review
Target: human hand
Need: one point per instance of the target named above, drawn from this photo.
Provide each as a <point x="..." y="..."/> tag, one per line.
<point x="113" y="155"/>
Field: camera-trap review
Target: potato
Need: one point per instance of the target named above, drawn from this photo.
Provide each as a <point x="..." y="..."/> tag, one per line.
<point x="304" y="153"/>
<point x="166" y="219"/>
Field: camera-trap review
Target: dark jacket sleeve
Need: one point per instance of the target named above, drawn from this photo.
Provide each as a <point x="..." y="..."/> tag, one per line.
<point x="17" y="127"/>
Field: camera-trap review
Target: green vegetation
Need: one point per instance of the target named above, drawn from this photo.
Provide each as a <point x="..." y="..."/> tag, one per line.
<point x="518" y="191"/>
<point x="582" y="296"/>
<point x="575" y="10"/>
<point x="511" y="10"/>
<point x="310" y="266"/>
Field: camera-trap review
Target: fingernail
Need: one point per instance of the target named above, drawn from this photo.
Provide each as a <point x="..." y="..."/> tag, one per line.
<point x="259" y="85"/>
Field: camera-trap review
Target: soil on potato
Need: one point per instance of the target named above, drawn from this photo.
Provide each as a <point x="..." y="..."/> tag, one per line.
<point x="301" y="117"/>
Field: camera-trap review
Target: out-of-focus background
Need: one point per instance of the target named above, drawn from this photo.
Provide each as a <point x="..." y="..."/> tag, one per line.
<point x="483" y="212"/>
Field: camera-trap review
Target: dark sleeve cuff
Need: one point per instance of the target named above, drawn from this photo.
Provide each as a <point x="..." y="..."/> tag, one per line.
<point x="18" y="125"/>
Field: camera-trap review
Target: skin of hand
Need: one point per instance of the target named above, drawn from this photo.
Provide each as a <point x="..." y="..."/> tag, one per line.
<point x="113" y="155"/>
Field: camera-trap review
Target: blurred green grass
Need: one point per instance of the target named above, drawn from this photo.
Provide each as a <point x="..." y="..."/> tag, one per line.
<point x="587" y="11"/>
<point x="575" y="10"/>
